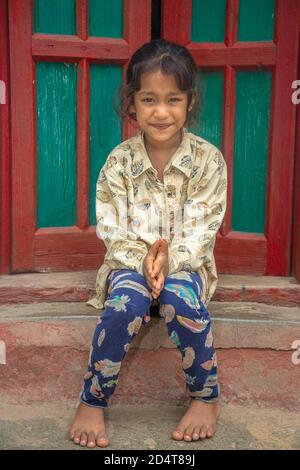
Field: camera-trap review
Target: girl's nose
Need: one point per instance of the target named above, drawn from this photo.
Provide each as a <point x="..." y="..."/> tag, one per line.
<point x="161" y="111"/>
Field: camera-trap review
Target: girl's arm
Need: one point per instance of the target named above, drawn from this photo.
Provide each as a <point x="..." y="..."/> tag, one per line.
<point x="194" y="245"/>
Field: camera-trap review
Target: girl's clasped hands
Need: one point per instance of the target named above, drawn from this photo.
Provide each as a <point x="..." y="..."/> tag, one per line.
<point x="156" y="266"/>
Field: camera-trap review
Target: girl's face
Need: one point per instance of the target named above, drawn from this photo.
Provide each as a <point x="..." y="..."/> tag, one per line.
<point x="160" y="107"/>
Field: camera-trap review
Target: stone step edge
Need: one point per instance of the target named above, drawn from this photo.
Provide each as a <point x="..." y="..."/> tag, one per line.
<point x="233" y="327"/>
<point x="79" y="286"/>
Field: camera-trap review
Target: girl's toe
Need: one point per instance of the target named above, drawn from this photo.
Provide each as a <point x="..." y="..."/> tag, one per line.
<point x="188" y="433"/>
<point x="178" y="434"/>
<point x="203" y="432"/>
<point x="83" y="439"/>
<point x="196" y="433"/>
<point x="91" y="441"/>
<point x="76" y="438"/>
<point x="102" y="441"/>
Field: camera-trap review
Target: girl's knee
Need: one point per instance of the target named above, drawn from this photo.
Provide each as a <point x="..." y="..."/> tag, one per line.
<point x="174" y="290"/>
<point x="184" y="301"/>
<point x="119" y="277"/>
<point x="128" y="294"/>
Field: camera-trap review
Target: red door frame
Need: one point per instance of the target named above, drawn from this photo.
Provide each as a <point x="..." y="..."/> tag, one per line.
<point x="269" y="253"/>
<point x="296" y="231"/>
<point x="77" y="247"/>
<point x="296" y="238"/>
<point x="5" y="216"/>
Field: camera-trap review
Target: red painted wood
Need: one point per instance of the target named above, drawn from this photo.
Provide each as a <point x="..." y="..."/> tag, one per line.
<point x="83" y="144"/>
<point x="241" y="54"/>
<point x="82" y="18"/>
<point x="296" y="219"/>
<point x="5" y="169"/>
<point x="282" y="138"/>
<point x="177" y="20"/>
<point x="232" y="18"/>
<point x="296" y="232"/>
<point x="228" y="140"/>
<point x="23" y="135"/>
<point x="67" y="248"/>
<point x="83" y="112"/>
<point x="242" y="253"/>
<point x="48" y="47"/>
<point x="59" y="47"/>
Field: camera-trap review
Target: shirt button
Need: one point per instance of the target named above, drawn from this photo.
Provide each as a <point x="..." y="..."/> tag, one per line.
<point x="171" y="191"/>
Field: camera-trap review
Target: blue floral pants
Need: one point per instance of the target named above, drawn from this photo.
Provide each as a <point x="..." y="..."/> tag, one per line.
<point x="127" y="308"/>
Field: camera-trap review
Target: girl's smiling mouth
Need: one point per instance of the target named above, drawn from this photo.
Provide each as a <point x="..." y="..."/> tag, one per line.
<point x="161" y="126"/>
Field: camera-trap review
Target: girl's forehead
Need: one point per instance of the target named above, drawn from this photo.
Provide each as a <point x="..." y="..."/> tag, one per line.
<point x="156" y="82"/>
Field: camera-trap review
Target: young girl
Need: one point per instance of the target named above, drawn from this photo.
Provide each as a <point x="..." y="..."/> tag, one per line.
<point x="160" y="200"/>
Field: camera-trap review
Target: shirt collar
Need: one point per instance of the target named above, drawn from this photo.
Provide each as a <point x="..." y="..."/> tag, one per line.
<point x="181" y="159"/>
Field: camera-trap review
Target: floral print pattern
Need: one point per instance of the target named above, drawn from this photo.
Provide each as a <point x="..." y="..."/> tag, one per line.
<point x="127" y="309"/>
<point x="196" y="175"/>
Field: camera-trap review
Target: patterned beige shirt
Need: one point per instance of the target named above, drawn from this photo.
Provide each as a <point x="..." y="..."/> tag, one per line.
<point x="134" y="208"/>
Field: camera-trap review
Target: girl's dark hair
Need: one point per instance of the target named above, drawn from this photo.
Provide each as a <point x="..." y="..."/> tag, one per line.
<point x="171" y="58"/>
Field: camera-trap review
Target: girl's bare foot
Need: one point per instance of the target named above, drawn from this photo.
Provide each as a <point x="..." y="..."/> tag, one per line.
<point x="88" y="428"/>
<point x="198" y="422"/>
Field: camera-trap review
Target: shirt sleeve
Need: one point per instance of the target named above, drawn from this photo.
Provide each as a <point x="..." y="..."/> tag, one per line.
<point x="124" y="250"/>
<point x="194" y="238"/>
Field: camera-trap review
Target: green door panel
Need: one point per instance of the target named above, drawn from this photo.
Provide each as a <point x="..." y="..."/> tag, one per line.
<point x="54" y="16"/>
<point x="256" y="20"/>
<point x="251" y="150"/>
<point x="56" y="102"/>
<point x="210" y="125"/>
<point x="208" y="20"/>
<point x="105" y="125"/>
<point x="106" y="18"/>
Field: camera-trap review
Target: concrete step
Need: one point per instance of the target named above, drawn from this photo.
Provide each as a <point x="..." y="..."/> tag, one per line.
<point x="148" y="427"/>
<point x="78" y="286"/>
<point x="47" y="347"/>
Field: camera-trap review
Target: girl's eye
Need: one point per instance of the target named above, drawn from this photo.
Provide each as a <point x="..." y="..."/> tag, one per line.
<point x="148" y="100"/>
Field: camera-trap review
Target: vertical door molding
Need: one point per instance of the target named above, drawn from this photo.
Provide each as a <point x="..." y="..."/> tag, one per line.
<point x="5" y="170"/>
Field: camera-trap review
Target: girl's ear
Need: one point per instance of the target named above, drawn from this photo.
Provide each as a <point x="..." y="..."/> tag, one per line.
<point x="132" y="109"/>
<point x="192" y="101"/>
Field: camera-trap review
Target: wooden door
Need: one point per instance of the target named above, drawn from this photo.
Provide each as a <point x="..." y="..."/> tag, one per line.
<point x="67" y="60"/>
<point x="247" y="52"/>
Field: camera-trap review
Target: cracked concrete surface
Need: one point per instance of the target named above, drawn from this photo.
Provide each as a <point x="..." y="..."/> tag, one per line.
<point x="148" y="427"/>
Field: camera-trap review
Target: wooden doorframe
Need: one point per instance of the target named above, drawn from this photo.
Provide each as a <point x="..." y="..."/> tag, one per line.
<point x="296" y="231"/>
<point x="5" y="170"/>
<point x="57" y="248"/>
<point x="296" y="215"/>
<point x="268" y="253"/>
